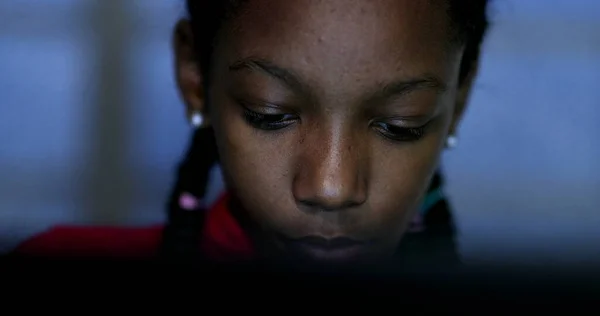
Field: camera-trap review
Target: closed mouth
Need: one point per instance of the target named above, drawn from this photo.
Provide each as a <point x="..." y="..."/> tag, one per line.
<point x="319" y="248"/>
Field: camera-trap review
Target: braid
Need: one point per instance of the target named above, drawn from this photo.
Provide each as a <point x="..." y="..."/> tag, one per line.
<point x="181" y="234"/>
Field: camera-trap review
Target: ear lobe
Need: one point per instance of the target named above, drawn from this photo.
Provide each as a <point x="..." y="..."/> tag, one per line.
<point x="462" y="97"/>
<point x="187" y="70"/>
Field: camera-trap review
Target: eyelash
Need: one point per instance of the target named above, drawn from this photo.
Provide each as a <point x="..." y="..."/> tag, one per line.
<point x="268" y="122"/>
<point x="400" y="134"/>
<point x="272" y="122"/>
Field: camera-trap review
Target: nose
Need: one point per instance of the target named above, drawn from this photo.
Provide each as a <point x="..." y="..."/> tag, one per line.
<point x="331" y="173"/>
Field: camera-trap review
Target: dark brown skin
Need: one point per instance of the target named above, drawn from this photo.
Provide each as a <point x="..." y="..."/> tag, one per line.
<point x="346" y="79"/>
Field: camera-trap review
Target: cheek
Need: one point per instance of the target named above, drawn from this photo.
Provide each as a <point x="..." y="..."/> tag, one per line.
<point x="255" y="165"/>
<point x="400" y="178"/>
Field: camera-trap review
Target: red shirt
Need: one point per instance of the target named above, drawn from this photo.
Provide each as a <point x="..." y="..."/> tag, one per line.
<point x="222" y="239"/>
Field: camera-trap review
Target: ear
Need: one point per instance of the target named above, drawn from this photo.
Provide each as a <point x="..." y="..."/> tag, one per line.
<point x="188" y="74"/>
<point x="462" y="97"/>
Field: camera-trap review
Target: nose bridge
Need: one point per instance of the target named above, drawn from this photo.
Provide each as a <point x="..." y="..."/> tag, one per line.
<point x="331" y="175"/>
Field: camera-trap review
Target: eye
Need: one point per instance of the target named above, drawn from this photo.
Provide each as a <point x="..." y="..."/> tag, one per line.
<point x="399" y="133"/>
<point x="268" y="122"/>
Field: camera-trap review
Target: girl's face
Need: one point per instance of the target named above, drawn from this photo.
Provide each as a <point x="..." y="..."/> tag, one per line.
<point x="330" y="117"/>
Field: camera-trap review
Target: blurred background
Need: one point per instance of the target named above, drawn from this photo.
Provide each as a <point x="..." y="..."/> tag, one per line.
<point x="91" y="125"/>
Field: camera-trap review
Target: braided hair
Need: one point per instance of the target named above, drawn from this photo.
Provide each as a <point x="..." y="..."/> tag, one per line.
<point x="182" y="232"/>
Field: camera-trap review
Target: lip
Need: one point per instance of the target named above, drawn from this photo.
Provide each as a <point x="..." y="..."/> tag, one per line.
<point x="325" y="249"/>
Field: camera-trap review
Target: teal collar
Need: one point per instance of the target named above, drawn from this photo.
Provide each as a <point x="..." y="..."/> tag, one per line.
<point x="431" y="199"/>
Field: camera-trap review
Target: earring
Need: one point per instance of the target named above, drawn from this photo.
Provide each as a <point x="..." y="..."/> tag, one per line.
<point x="451" y="141"/>
<point x="196" y="119"/>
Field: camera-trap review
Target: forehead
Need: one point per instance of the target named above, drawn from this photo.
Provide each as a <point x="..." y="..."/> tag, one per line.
<point x="344" y="39"/>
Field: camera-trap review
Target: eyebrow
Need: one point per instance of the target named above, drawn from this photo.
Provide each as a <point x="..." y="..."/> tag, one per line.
<point x="387" y="91"/>
<point x="286" y="76"/>
<point x="404" y="87"/>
